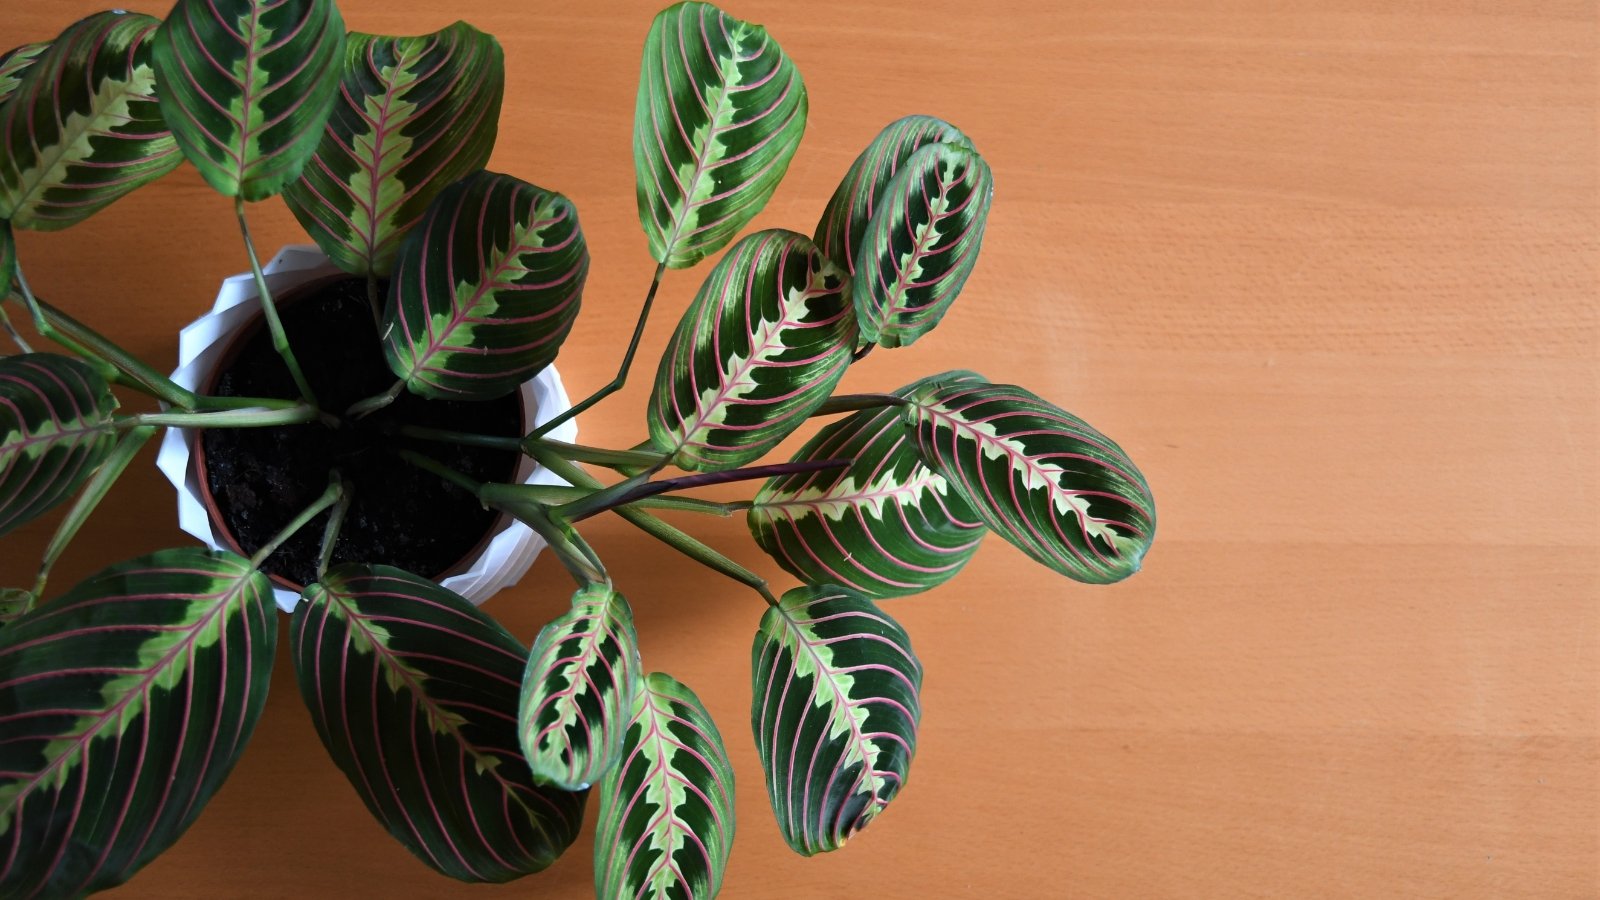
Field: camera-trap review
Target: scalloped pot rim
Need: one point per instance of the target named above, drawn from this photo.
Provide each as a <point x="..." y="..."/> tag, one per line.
<point x="499" y="562"/>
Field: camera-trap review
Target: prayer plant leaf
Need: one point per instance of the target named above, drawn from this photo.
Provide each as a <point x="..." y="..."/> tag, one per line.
<point x="921" y="244"/>
<point x="578" y="690"/>
<point x="413" y="115"/>
<point x="124" y="705"/>
<point x="81" y="128"/>
<point x="413" y="691"/>
<point x="835" y="713"/>
<point x="247" y="85"/>
<point x="1038" y="476"/>
<point x="844" y="221"/>
<point x="887" y="526"/>
<point x="763" y="344"/>
<point x="14" y="62"/>
<point x="55" y="428"/>
<point x="485" y="289"/>
<point x="719" y="114"/>
<point x="666" y="819"/>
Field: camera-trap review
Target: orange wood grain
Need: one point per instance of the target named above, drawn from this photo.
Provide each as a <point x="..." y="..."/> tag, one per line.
<point x="1328" y="271"/>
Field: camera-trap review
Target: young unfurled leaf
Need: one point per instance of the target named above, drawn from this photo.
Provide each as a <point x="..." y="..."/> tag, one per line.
<point x="578" y="690"/>
<point x="768" y="336"/>
<point x="485" y="289"/>
<point x="921" y="244"/>
<point x="413" y="115"/>
<point x="835" y="713"/>
<point x="413" y="691"/>
<point x="82" y="128"/>
<point x="55" y="427"/>
<point x="887" y="525"/>
<point x="666" y="818"/>
<point x="123" y="706"/>
<point x="719" y="115"/>
<point x="16" y="61"/>
<point x="1038" y="476"/>
<point x="247" y="85"/>
<point x="844" y="221"/>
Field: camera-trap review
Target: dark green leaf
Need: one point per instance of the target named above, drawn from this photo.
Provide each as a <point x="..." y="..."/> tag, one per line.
<point x="83" y="128"/>
<point x="1037" y="475"/>
<point x="485" y="289"/>
<point x="247" y="85"/>
<point x="578" y="690"/>
<point x="887" y="525"/>
<point x="921" y="244"/>
<point x="16" y="61"/>
<point x="55" y="427"/>
<point x="414" y="115"/>
<point x="123" y="706"/>
<point x="666" y="817"/>
<point x="719" y="115"/>
<point x="768" y="336"/>
<point x="413" y="691"/>
<point x="845" y="219"/>
<point x="835" y="713"/>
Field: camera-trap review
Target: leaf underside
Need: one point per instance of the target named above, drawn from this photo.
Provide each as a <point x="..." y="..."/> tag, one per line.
<point x="485" y="289"/>
<point x="413" y="691"/>
<point x="887" y="525"/>
<point x="719" y="114"/>
<point x="835" y="712"/>
<point x="763" y="344"/>
<point x="247" y="85"/>
<point x="55" y="428"/>
<point x="124" y="705"/>
<point x="578" y="690"/>
<point x="413" y="115"/>
<point x="1038" y="476"/>
<point x="82" y="128"/>
<point x="666" y="821"/>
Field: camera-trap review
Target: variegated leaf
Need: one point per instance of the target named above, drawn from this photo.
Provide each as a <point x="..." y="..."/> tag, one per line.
<point x="768" y="336"/>
<point x="835" y="713"/>
<point x="578" y="690"/>
<point x="413" y="115"/>
<point x="413" y="691"/>
<point x="247" y="85"/>
<point x="887" y="525"/>
<point x="1038" y="476"/>
<point x="55" y="427"/>
<point x="485" y="289"/>
<point x="666" y="817"/>
<point x="83" y="128"/>
<point x="719" y="115"/>
<point x="123" y="706"/>
<point x="921" y="244"/>
<point x="16" y="61"/>
<point x="845" y="219"/>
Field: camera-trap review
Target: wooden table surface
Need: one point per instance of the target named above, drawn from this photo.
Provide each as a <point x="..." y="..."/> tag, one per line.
<point x="1327" y="270"/>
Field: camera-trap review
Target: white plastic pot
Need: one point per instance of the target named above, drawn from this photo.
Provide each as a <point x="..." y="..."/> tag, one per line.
<point x="499" y="563"/>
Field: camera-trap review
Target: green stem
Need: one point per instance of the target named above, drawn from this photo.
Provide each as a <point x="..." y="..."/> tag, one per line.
<point x="363" y="408"/>
<point x="861" y="353"/>
<point x="611" y="459"/>
<point x="329" y="497"/>
<point x="16" y="338"/>
<point x="575" y="554"/>
<point x="41" y="324"/>
<point x="555" y="495"/>
<point x="429" y="464"/>
<point x="684" y="543"/>
<point x="638" y="487"/>
<point x="94" y="490"/>
<point x="498" y="442"/>
<point x="852" y="402"/>
<point x="374" y="301"/>
<point x="210" y="402"/>
<point x="330" y="533"/>
<point x="280" y="341"/>
<point x="622" y="372"/>
<point x="243" y="418"/>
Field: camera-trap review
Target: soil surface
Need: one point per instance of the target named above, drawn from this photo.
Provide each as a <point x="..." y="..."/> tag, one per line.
<point x="400" y="515"/>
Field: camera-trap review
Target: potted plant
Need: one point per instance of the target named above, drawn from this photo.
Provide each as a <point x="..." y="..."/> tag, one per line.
<point x="126" y="699"/>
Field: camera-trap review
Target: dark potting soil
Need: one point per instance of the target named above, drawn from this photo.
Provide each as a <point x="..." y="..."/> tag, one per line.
<point x="400" y="515"/>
